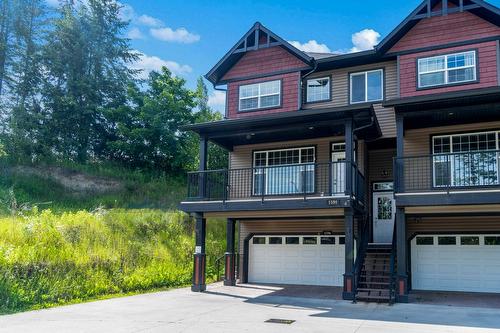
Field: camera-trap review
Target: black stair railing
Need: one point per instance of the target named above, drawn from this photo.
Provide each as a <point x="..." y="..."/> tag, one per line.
<point x="393" y="277"/>
<point x="360" y="257"/>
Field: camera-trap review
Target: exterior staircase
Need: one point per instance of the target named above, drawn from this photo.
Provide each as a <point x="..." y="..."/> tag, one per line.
<point x="375" y="282"/>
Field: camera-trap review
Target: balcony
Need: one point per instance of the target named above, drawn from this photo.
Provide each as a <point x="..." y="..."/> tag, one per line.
<point x="460" y="178"/>
<point x="280" y="187"/>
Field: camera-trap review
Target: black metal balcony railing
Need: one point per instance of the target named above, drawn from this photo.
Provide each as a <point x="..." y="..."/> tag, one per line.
<point x="445" y="172"/>
<point x="297" y="180"/>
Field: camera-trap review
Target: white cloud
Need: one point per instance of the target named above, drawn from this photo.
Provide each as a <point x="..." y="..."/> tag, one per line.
<point x="217" y="100"/>
<point x="149" y="21"/>
<point x="180" y="35"/>
<point x="135" y="33"/>
<point x="127" y="12"/>
<point x="311" y="46"/>
<point x="364" y="40"/>
<point x="153" y="63"/>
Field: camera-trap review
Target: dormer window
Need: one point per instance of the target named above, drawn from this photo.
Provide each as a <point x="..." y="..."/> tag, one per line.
<point x="260" y="95"/>
<point x="318" y="90"/>
<point x="448" y="69"/>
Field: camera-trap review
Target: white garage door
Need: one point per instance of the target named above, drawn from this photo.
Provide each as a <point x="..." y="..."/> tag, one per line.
<point x="456" y="263"/>
<point x="307" y="260"/>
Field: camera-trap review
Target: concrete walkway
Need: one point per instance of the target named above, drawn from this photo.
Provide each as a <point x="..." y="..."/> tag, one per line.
<point x="246" y="309"/>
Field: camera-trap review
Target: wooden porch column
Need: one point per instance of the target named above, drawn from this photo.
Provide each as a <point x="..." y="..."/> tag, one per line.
<point x="349" y="156"/>
<point x="402" y="281"/>
<point x="349" y="254"/>
<point x="230" y="257"/>
<point x="203" y="166"/>
<point x="199" y="254"/>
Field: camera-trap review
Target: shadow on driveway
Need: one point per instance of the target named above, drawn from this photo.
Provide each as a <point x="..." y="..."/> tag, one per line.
<point x="460" y="309"/>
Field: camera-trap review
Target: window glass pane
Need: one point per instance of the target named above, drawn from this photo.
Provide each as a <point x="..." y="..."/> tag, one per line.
<point x="432" y="79"/>
<point x="310" y="240"/>
<point x="259" y="240"/>
<point x="250" y="90"/>
<point x="491" y="240"/>
<point x="374" y="86"/>
<point x="469" y="240"/>
<point x="460" y="75"/>
<point x="431" y="64"/>
<point x="318" y="89"/>
<point x="275" y="240"/>
<point x="327" y="240"/>
<point x="268" y="88"/>
<point x="358" y="93"/>
<point x="292" y="240"/>
<point x="268" y="101"/>
<point x="249" y="103"/>
<point x="384" y="208"/>
<point x="447" y="240"/>
<point x="341" y="240"/>
<point x="425" y="240"/>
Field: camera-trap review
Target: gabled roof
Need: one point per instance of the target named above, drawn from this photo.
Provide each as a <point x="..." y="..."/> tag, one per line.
<point x="249" y="42"/>
<point x="425" y="10"/>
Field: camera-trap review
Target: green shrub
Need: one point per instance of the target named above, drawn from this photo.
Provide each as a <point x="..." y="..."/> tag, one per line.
<point x="49" y="258"/>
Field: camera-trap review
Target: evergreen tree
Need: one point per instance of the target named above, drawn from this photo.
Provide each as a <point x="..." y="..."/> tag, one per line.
<point x="86" y="61"/>
<point x="26" y="117"/>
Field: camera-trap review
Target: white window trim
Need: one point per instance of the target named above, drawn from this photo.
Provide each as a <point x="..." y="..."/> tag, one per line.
<point x="452" y="160"/>
<point x="259" y="95"/>
<point x="258" y="170"/>
<point x="365" y="73"/>
<point x="285" y="149"/>
<point x="446" y="70"/>
<point x="329" y="89"/>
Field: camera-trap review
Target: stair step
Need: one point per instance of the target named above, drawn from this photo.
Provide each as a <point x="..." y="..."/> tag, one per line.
<point x="373" y="298"/>
<point x="374" y="290"/>
<point x="375" y="283"/>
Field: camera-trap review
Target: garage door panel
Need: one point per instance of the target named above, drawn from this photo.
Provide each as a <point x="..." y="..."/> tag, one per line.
<point x="309" y="264"/>
<point x="458" y="267"/>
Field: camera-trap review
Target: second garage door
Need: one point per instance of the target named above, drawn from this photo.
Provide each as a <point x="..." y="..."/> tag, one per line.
<point x="305" y="260"/>
<point x="456" y="263"/>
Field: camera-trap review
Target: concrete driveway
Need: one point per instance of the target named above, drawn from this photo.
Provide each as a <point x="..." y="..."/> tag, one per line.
<point x="247" y="308"/>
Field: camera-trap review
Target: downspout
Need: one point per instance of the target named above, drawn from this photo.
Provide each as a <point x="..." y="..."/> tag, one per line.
<point x="372" y="122"/>
<point x="225" y="106"/>
<point x="301" y="83"/>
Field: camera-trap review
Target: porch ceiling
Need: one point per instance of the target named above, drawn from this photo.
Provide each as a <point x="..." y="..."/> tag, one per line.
<point x="476" y="105"/>
<point x="297" y="125"/>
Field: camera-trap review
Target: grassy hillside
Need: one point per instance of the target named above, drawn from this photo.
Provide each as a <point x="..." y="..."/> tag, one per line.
<point x="23" y="186"/>
<point x="60" y="244"/>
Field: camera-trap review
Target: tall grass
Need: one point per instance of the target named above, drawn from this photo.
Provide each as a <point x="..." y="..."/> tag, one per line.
<point x="140" y="189"/>
<point x="49" y="258"/>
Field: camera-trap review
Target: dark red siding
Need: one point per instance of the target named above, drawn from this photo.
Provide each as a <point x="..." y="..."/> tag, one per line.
<point x="439" y="30"/>
<point x="289" y="95"/>
<point x="488" y="75"/>
<point x="264" y="61"/>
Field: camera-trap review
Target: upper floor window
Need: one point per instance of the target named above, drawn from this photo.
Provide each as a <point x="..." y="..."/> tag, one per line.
<point x="367" y="86"/>
<point x="260" y="95"/>
<point x="318" y="89"/>
<point x="447" y="69"/>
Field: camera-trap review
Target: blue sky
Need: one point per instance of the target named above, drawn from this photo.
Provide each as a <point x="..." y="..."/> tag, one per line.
<point x="190" y="36"/>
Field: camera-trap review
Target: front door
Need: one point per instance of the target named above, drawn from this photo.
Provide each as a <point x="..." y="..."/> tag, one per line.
<point x="338" y="172"/>
<point x="383" y="217"/>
